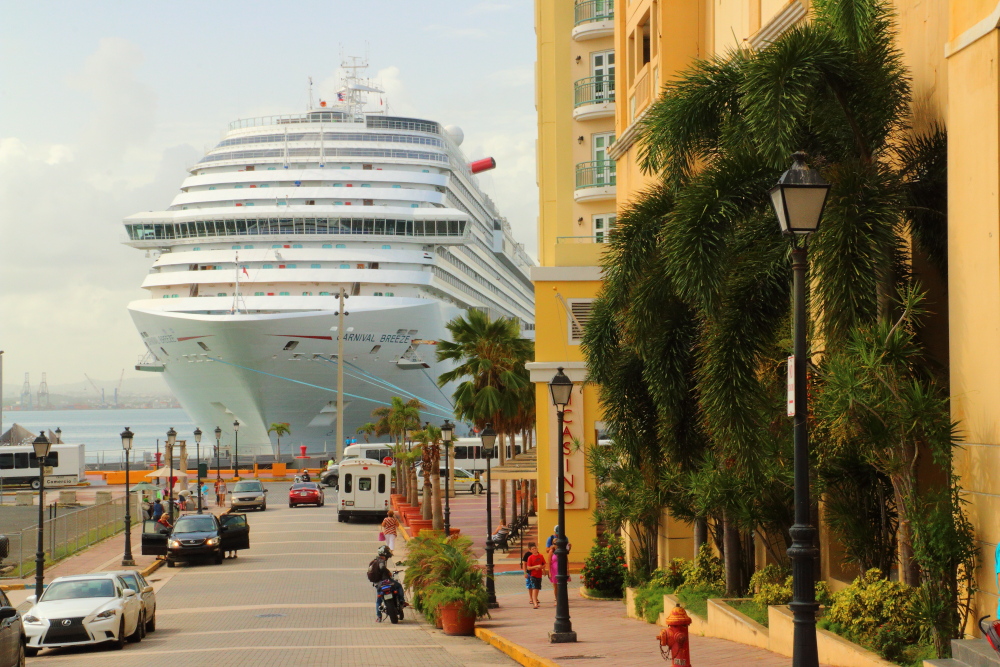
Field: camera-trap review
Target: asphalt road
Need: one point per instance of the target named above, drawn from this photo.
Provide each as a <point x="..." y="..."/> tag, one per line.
<point x="298" y="596"/>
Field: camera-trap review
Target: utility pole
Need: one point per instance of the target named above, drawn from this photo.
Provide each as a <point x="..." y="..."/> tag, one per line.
<point x="338" y="449"/>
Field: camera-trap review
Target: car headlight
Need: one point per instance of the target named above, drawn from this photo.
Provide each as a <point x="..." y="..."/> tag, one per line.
<point x="107" y="613"/>
<point x="174" y="544"/>
<point x="213" y="541"/>
<point x="31" y="618"/>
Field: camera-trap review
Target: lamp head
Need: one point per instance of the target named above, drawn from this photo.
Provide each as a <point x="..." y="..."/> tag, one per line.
<point x="171" y="436"/>
<point x="41" y="445"/>
<point x="127" y="436"/>
<point x="799" y="198"/>
<point x="197" y="435"/>
<point x="447" y="431"/>
<point x="236" y="426"/>
<point x="560" y="387"/>
<point x="489" y="439"/>
<point x="218" y="432"/>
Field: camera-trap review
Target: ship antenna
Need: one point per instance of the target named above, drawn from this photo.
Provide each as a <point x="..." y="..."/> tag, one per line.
<point x="310" y="93"/>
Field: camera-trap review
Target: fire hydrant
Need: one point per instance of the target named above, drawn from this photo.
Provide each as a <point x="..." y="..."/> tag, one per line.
<point x="675" y="638"/>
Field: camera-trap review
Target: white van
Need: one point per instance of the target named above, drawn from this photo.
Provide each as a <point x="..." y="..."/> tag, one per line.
<point x="365" y="485"/>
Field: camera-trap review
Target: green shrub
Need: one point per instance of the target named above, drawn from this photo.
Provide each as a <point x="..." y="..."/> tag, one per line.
<point x="705" y="569"/>
<point x="876" y="613"/>
<point x="648" y="601"/>
<point x="604" y="568"/>
<point x="772" y="585"/>
<point x="695" y="597"/>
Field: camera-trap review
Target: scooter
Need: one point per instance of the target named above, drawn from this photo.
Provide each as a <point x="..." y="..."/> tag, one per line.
<point x="389" y="601"/>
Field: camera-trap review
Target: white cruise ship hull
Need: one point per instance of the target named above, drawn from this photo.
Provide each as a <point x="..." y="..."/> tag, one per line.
<point x="261" y="369"/>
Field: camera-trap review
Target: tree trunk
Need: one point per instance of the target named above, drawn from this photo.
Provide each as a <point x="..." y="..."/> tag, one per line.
<point x="411" y="485"/>
<point x="427" y="506"/>
<point x="437" y="513"/>
<point x="532" y="492"/>
<point x="700" y="533"/>
<point x="903" y="486"/>
<point x="502" y="443"/>
<point x="731" y="538"/>
<point x="513" y="501"/>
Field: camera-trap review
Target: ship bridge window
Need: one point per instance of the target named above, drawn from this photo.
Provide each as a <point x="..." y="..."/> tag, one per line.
<point x="386" y="247"/>
<point x="203" y="346"/>
<point x="314" y="266"/>
<point x="327" y="245"/>
<point x="341" y="245"/>
<point x="345" y="266"/>
<point x="291" y="345"/>
<point x="236" y="247"/>
<point x="268" y="266"/>
<point x="248" y="247"/>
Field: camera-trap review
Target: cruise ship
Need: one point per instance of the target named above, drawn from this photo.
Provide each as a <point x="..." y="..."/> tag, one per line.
<point x="272" y="223"/>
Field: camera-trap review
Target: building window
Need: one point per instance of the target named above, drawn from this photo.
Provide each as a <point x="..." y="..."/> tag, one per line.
<point x="248" y="247"/>
<point x="258" y="294"/>
<point x="345" y="266"/>
<point x="327" y="245"/>
<point x="578" y="316"/>
<point x="236" y="247"/>
<point x="389" y="294"/>
<point x="268" y="266"/>
<point x="296" y="245"/>
<point x="386" y="247"/>
<point x="377" y="294"/>
<point x="604" y="224"/>
<point x="314" y="266"/>
<point x="307" y="294"/>
<point x="221" y="294"/>
<point x="324" y="294"/>
<point x="276" y="246"/>
<point x="341" y="245"/>
<point x="283" y="294"/>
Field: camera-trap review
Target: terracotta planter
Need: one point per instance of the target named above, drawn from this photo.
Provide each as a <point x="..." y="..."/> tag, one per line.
<point x="455" y="622"/>
<point x="438" y="621"/>
<point x="416" y="525"/>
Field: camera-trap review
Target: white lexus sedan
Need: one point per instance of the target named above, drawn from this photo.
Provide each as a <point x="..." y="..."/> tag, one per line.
<point x="84" y="609"/>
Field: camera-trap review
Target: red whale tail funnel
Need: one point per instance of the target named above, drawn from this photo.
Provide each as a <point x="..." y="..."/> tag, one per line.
<point x="485" y="164"/>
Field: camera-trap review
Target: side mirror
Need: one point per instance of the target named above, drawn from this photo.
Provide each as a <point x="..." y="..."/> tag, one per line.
<point x="7" y="612"/>
<point x="31" y="599"/>
<point x="265" y="490"/>
<point x="128" y="592"/>
<point x="147" y="589"/>
<point x="224" y="529"/>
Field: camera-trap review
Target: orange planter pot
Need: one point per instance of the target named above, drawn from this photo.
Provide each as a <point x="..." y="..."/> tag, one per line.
<point x="420" y="524"/>
<point x="438" y="621"/>
<point x="454" y="622"/>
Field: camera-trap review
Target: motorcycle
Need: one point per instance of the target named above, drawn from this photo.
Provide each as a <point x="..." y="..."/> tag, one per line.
<point x="389" y="601"/>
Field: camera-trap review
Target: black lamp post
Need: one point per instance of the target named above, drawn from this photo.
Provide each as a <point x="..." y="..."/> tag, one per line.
<point x="58" y="436"/>
<point x="127" y="559"/>
<point x="489" y="439"/>
<point x="197" y="456"/>
<point x="171" y="439"/>
<point x="798" y="199"/>
<point x="447" y="430"/>
<point x="236" y="464"/>
<point x="218" y="448"/>
<point x="41" y="446"/>
<point x="561" y="387"/>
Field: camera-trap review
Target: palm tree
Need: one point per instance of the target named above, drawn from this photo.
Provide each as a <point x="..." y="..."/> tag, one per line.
<point x="489" y="356"/>
<point x="367" y="430"/>
<point x="394" y="420"/>
<point x="279" y="429"/>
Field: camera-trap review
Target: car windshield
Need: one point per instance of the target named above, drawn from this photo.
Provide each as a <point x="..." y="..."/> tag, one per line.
<point x="248" y="487"/>
<point x="73" y="590"/>
<point x="131" y="582"/>
<point x="194" y="524"/>
<point x="300" y="487"/>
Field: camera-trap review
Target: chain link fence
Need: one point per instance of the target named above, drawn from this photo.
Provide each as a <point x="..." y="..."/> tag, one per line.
<point x="65" y="535"/>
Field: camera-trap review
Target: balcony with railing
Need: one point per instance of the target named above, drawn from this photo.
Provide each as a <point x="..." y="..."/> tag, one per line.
<point x="579" y="250"/>
<point x="593" y="19"/>
<point x="595" y="181"/>
<point x="594" y="97"/>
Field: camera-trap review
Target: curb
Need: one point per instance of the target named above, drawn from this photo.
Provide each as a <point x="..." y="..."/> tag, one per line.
<point x="586" y="596"/>
<point x="151" y="568"/>
<point x="519" y="654"/>
<point x="146" y="571"/>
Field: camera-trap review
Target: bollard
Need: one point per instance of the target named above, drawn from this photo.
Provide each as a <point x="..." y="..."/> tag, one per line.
<point x="67" y="498"/>
<point x="675" y="638"/>
<point x="24" y="498"/>
<point x="102" y="497"/>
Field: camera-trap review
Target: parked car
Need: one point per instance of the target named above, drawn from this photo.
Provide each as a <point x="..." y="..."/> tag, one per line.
<point x="12" y="637"/>
<point x="84" y="609"/>
<point x="330" y="476"/>
<point x="248" y="494"/>
<point x="196" y="536"/>
<point x="464" y="481"/>
<point x="305" y="493"/>
<point x="144" y="592"/>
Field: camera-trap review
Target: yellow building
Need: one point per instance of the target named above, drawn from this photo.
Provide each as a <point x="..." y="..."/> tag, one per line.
<point x="951" y="48"/>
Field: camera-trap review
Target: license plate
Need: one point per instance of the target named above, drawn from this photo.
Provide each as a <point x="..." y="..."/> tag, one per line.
<point x="387" y="596"/>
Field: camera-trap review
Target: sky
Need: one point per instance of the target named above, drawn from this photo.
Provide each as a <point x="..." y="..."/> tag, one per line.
<point x="104" y="104"/>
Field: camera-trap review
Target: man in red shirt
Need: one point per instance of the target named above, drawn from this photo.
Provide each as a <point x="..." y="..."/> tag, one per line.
<point x="534" y="569"/>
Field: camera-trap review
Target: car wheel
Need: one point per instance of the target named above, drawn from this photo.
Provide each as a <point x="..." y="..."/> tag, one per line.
<point x="21" y="651"/>
<point x="291" y="505"/>
<point x="170" y="563"/>
<point x="119" y="643"/>
<point x="136" y="636"/>
<point x="30" y="651"/>
<point x="263" y="508"/>
<point x="477" y="488"/>
<point x="321" y="503"/>
<point x="36" y="484"/>
<point x="151" y="623"/>
<point x="218" y="557"/>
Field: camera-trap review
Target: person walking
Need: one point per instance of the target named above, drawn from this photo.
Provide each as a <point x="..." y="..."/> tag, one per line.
<point x="550" y="550"/>
<point x="389" y="526"/>
<point x="157" y="510"/>
<point x="220" y="492"/>
<point x="534" y="567"/>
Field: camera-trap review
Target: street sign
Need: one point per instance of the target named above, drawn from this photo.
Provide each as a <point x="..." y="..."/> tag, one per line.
<point x="387" y="461"/>
<point x="791" y="386"/>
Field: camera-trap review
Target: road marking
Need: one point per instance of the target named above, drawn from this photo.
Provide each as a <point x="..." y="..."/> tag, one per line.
<point x="216" y="573"/>
<point x="252" y="607"/>
<point x="256" y="630"/>
<point x="380" y="647"/>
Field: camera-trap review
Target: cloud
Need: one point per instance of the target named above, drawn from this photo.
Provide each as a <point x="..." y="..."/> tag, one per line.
<point x="487" y="8"/>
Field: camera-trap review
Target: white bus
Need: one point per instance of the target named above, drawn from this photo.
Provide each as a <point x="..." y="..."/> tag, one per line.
<point x="63" y="466"/>
<point x="467" y="453"/>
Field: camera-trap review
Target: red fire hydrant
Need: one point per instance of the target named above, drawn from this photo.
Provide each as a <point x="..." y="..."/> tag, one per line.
<point x="675" y="638"/>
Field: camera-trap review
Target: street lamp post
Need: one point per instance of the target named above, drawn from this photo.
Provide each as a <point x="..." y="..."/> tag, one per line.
<point x="447" y="430"/>
<point x="41" y="446"/>
<point x="197" y="458"/>
<point x="218" y="448"/>
<point x="171" y="439"/>
<point x="127" y="559"/>
<point x="236" y="463"/>
<point x="561" y="387"/>
<point x="798" y="199"/>
<point x="489" y="438"/>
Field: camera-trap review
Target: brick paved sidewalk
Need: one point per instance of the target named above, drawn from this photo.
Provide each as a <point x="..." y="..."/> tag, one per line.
<point x="606" y="637"/>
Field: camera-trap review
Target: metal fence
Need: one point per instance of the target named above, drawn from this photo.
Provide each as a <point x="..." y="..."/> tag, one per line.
<point x="65" y="535"/>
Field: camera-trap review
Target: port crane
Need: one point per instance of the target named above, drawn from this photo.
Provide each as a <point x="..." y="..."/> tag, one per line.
<point x="100" y="392"/>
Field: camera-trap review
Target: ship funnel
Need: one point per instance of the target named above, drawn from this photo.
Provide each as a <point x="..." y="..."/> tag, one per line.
<point x="485" y="164"/>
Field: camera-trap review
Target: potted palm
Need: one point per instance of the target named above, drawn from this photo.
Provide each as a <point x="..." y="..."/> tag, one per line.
<point x="457" y="595"/>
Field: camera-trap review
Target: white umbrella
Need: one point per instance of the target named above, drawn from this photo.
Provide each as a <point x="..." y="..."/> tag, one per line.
<point x="165" y="473"/>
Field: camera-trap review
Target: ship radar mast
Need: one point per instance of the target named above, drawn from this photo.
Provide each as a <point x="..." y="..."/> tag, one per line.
<point x="353" y="94"/>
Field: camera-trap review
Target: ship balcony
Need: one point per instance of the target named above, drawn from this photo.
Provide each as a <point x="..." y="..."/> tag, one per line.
<point x="594" y="97"/>
<point x="149" y="363"/>
<point x="595" y="181"/>
<point x="593" y="19"/>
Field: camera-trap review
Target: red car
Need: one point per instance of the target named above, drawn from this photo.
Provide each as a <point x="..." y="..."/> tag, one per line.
<point x="305" y="493"/>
